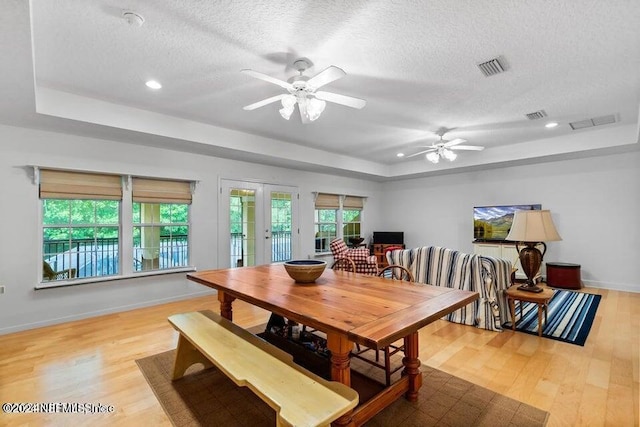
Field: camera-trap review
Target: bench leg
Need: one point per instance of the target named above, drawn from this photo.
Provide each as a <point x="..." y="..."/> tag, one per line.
<point x="187" y="355"/>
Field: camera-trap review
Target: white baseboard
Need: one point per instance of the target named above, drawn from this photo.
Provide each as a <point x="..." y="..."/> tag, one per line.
<point x="118" y="309"/>
<point x="623" y="287"/>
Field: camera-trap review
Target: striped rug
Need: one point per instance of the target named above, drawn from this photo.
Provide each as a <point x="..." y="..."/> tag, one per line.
<point x="570" y="317"/>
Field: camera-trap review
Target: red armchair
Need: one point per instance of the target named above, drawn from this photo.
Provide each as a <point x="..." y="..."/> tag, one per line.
<point x="365" y="262"/>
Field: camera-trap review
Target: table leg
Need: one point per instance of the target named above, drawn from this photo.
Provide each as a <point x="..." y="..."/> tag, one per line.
<point x="546" y="309"/>
<point x="512" y="310"/>
<point x="540" y="320"/>
<point x="412" y="366"/>
<point x="226" y="309"/>
<point x="340" y="347"/>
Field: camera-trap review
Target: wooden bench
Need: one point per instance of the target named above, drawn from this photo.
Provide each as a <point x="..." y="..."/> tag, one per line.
<point x="299" y="397"/>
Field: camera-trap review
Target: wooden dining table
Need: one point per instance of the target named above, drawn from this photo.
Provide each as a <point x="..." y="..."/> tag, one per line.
<point x="349" y="308"/>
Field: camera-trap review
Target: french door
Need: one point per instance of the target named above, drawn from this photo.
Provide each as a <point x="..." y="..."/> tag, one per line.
<point x="257" y="223"/>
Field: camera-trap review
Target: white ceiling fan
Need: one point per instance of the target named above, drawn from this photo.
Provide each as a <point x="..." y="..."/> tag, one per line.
<point x="303" y="91"/>
<point x="444" y="149"/>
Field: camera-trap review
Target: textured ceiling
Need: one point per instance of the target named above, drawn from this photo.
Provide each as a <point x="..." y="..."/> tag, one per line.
<point x="415" y="62"/>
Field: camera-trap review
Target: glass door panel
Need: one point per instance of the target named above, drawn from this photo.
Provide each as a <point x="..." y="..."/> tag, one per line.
<point x="256" y="223"/>
<point x="281" y="226"/>
<point x="242" y="227"/>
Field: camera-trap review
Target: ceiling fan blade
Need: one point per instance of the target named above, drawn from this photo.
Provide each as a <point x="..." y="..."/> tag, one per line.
<point x="467" y="147"/>
<point x="302" y="107"/>
<point x="328" y="75"/>
<point x="267" y="78"/>
<point x="348" y="101"/>
<point x="420" y="152"/>
<point x="454" y="142"/>
<point x="264" y="102"/>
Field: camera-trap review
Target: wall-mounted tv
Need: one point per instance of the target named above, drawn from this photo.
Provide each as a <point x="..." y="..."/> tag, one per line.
<point x="492" y="223"/>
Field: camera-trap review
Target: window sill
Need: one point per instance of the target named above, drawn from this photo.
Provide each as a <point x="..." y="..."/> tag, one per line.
<point x="65" y="283"/>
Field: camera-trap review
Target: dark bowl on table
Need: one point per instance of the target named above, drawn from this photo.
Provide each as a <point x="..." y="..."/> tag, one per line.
<point x="305" y="270"/>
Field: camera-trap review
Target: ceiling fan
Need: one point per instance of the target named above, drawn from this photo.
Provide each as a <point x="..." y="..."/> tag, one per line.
<point x="303" y="91"/>
<point x="444" y="149"/>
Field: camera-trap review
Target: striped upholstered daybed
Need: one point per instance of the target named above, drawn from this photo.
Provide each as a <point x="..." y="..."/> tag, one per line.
<point x="488" y="276"/>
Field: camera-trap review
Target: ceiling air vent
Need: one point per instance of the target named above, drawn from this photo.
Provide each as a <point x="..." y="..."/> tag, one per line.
<point x="491" y="67"/>
<point x="596" y="121"/>
<point x="540" y="114"/>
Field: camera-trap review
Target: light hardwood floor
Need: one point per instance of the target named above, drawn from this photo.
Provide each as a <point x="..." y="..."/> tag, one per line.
<point x="93" y="361"/>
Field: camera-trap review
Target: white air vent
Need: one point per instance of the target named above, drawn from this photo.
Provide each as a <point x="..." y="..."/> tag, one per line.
<point x="491" y="67"/>
<point x="581" y="124"/>
<point x="596" y="121"/>
<point x="604" y="120"/>
<point x="540" y="114"/>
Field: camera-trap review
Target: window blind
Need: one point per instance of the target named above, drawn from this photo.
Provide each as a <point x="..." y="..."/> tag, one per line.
<point x="145" y="190"/>
<point x="327" y="201"/>
<point x="55" y="184"/>
<point x="353" y="202"/>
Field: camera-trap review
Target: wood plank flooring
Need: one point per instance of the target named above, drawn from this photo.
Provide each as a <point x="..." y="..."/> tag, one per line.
<point x="93" y="361"/>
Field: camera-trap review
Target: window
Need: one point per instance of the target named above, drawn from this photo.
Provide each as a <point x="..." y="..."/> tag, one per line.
<point x="326" y="225"/>
<point x="336" y="216"/>
<point x="160" y="224"/>
<point x="350" y="224"/>
<point x="351" y="213"/>
<point x="160" y="236"/>
<point x="80" y="224"/>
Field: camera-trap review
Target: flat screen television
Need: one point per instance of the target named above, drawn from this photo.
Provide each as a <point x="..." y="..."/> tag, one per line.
<point x="492" y="223"/>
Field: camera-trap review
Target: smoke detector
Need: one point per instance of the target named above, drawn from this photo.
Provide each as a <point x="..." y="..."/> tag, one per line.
<point x="133" y="18"/>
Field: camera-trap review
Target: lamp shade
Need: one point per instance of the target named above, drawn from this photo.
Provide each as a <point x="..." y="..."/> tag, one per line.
<point x="533" y="226"/>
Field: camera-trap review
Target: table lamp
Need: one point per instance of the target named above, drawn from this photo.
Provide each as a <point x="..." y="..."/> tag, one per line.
<point x="532" y="228"/>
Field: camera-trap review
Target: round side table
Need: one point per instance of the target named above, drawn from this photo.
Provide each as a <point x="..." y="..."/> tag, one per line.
<point x="540" y="298"/>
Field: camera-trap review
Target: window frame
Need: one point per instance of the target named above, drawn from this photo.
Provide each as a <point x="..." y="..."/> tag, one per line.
<point x="125" y="237"/>
<point x="340" y="223"/>
<point x="70" y="225"/>
<point x="159" y="224"/>
<point x="322" y="238"/>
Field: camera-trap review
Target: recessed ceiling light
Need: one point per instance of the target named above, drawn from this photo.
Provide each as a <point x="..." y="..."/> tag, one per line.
<point x="400" y="154"/>
<point x="153" y="84"/>
<point x="551" y="124"/>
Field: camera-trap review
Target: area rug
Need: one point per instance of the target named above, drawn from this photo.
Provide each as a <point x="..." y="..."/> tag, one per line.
<point x="209" y="398"/>
<point x="569" y="318"/>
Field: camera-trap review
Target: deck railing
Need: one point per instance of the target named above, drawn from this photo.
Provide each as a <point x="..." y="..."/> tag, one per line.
<point x="280" y="248"/>
<point x="100" y="257"/>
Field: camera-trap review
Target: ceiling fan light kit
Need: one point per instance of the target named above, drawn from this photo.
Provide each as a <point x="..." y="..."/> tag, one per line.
<point x="303" y="92"/>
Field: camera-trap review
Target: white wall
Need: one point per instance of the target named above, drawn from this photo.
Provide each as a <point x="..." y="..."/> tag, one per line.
<point x="22" y="307"/>
<point x="594" y="203"/>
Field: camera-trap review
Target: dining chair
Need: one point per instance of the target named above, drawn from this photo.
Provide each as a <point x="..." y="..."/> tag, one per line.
<point x="344" y="264"/>
<point x="393" y="272"/>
